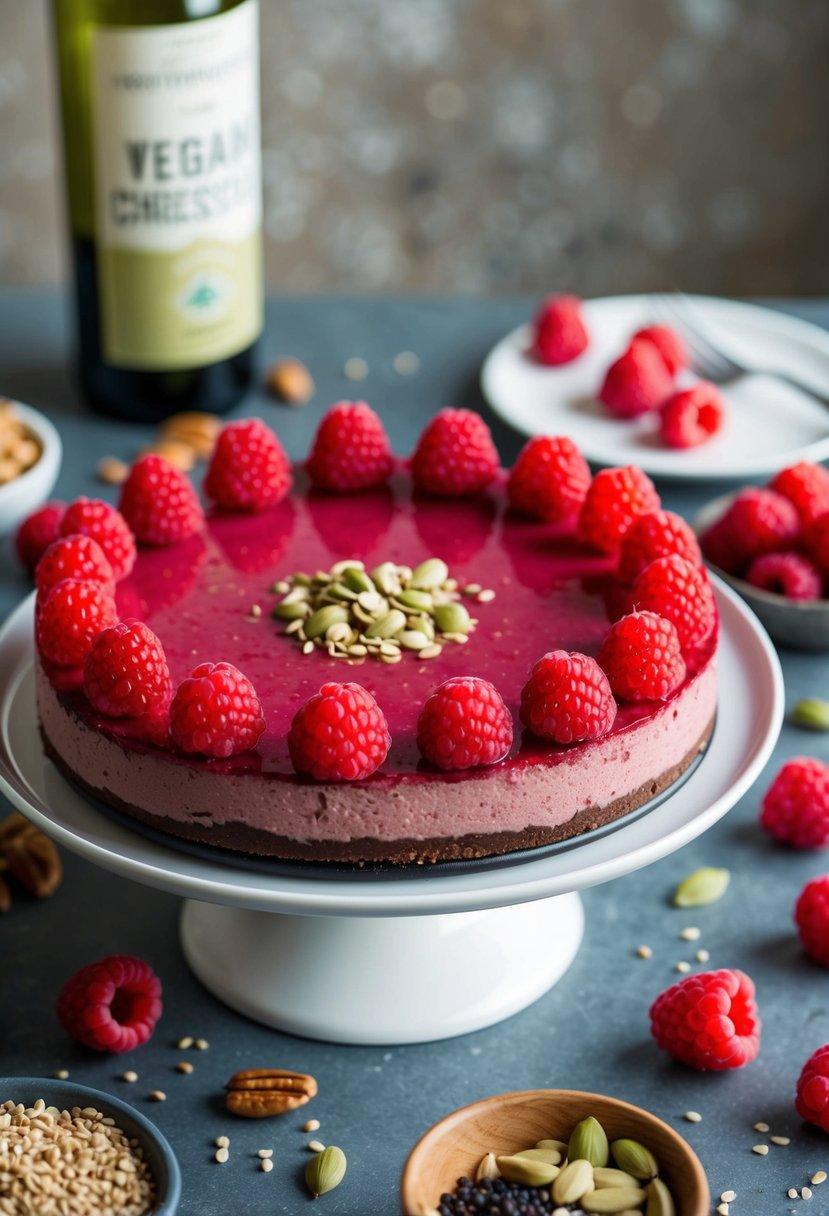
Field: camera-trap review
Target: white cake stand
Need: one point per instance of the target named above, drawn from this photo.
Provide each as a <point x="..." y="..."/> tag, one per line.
<point x="412" y="958"/>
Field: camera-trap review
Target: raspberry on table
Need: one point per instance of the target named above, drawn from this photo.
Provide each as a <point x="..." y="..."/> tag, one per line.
<point x="351" y="450"/>
<point x="125" y="673"/>
<point x="455" y="456"/>
<point x="795" y="807"/>
<point x="637" y="382"/>
<point x="37" y="532"/>
<point x="679" y="591"/>
<point x="70" y="617"/>
<point x="786" y="573"/>
<point x="692" y="416"/>
<point x="670" y="345"/>
<point x="159" y="503"/>
<point x="216" y="712"/>
<point x="709" y="1020"/>
<point x="657" y="534"/>
<point x="78" y="557"/>
<point x="614" y="499"/>
<point x="549" y="480"/>
<point x="339" y="734"/>
<point x="642" y="658"/>
<point x="100" y="520"/>
<point x="806" y="486"/>
<point x="111" y="1005"/>
<point x="559" y="334"/>
<point x="567" y="698"/>
<point x="811" y="914"/>
<point x="812" y="1099"/>
<point x="760" y="521"/>
<point x="464" y="724"/>
<point x="248" y="469"/>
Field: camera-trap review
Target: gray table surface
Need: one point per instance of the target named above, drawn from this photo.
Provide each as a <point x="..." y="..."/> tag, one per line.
<point x="590" y="1032"/>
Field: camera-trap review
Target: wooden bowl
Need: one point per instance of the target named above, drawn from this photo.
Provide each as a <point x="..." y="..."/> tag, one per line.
<point x="509" y="1122"/>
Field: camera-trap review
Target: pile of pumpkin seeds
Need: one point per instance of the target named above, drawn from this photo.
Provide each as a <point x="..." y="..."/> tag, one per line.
<point x="356" y="614"/>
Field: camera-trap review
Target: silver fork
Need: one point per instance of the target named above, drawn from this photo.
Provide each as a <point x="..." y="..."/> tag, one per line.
<point x="710" y="360"/>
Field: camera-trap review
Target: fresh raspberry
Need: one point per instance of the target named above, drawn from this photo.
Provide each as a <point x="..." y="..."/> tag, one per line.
<point x="455" y="456"/>
<point x="786" y="573"/>
<point x="339" y="734"/>
<point x="806" y="486"/>
<point x="549" y="479"/>
<point x="796" y="805"/>
<point x="816" y="542"/>
<point x="658" y="534"/>
<point x="811" y="915"/>
<point x="98" y="519"/>
<point x="614" y="499"/>
<point x="37" y="532"/>
<point x="709" y="1020"/>
<point x="641" y="657"/>
<point x="216" y="712"/>
<point x="125" y="673"/>
<point x="637" y="382"/>
<point x="670" y="345"/>
<point x="464" y="724"/>
<point x="692" y="416"/>
<point x="760" y="521"/>
<point x="680" y="592"/>
<point x="721" y="548"/>
<point x="112" y="1005"/>
<point x="159" y="503"/>
<point x="71" y="616"/>
<point x="248" y="470"/>
<point x="559" y="333"/>
<point x="78" y="557"/>
<point x="567" y="698"/>
<point x="812" y="1101"/>
<point x="351" y="449"/>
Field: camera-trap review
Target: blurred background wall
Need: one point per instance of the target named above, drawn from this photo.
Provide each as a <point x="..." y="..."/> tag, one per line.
<point x="500" y="145"/>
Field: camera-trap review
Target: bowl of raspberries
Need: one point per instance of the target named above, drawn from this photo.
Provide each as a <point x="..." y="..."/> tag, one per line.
<point x="771" y="544"/>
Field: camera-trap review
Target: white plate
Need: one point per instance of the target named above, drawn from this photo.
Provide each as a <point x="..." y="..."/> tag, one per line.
<point x="768" y="424"/>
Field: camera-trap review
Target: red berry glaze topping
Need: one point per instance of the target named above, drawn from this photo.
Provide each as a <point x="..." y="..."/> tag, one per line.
<point x="786" y="573"/>
<point x="159" y="503"/>
<point x="670" y="345"/>
<point x="692" y="416"/>
<point x="709" y="1020"/>
<point x="811" y="914"/>
<point x="812" y="1101"/>
<point x="248" y="470"/>
<point x="559" y="333"/>
<point x="614" y="499"/>
<point x="796" y="805"/>
<point x="216" y="712"/>
<point x="637" y="382"/>
<point x="641" y="657"/>
<point x="339" y="734"/>
<point x="567" y="698"/>
<point x="658" y="534"/>
<point x="806" y="486"/>
<point x="37" y="533"/>
<point x="112" y="1005"/>
<point x="71" y="616"/>
<point x="680" y="592"/>
<point x="455" y="455"/>
<point x="100" y="520"/>
<point x="78" y="557"/>
<point x="125" y="673"/>
<point x="464" y="724"/>
<point x="549" y="480"/>
<point x="351" y="450"/>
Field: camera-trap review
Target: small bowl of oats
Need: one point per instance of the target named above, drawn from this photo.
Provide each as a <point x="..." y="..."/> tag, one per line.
<point x="30" y="455"/>
<point x="90" y="1152"/>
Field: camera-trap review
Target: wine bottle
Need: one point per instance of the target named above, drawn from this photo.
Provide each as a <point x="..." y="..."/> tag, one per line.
<point x="160" y="107"/>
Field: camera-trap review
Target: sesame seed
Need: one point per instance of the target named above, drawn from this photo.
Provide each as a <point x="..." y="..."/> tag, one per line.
<point x="256" y="611"/>
<point x="222" y="1155"/>
<point x="186" y="1042"/>
<point x="760" y="1149"/>
<point x="693" y="1116"/>
<point x="266" y="1165"/>
<point x="311" y="1125"/>
<point x="406" y="363"/>
<point x="728" y="1196"/>
<point x="316" y="1146"/>
<point x="702" y="956"/>
<point x="265" y="1152"/>
<point x="683" y="967"/>
<point x="805" y="1193"/>
<point x="62" y="1074"/>
<point x="222" y="1142"/>
<point x="761" y="1127"/>
<point x="792" y="1192"/>
<point x="130" y="1076"/>
<point x="355" y="368"/>
<point x="817" y="1178"/>
<point x="690" y="934"/>
<point x="722" y="1209"/>
<point x="485" y="596"/>
<point x="780" y="1140"/>
<point x="184" y="1066"/>
<point x="644" y="952"/>
<point x="157" y="1095"/>
<point x="201" y="1044"/>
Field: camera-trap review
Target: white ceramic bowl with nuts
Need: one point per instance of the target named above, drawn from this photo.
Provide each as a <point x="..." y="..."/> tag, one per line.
<point x="27" y="476"/>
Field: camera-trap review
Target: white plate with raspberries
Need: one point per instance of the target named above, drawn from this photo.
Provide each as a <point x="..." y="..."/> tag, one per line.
<point x="764" y="424"/>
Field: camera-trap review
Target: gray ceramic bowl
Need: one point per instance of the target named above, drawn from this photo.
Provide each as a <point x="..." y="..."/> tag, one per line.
<point x="66" y="1094"/>
<point x="801" y="624"/>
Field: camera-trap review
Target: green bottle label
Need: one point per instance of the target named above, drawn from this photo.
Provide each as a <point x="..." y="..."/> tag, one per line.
<point x="178" y="208"/>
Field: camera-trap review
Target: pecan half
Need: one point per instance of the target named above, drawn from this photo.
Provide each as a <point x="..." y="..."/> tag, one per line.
<point x="29" y="856"/>
<point x="256" y="1093"/>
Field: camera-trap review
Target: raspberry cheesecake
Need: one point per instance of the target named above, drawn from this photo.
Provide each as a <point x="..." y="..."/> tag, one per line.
<point x="335" y="663"/>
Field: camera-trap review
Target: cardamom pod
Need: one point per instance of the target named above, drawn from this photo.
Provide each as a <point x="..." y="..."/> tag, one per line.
<point x="429" y="574"/>
<point x="812" y="713"/>
<point x="613" y="1199"/>
<point x="589" y="1142"/>
<point x="551" y="1155"/>
<point x="487" y="1168"/>
<point x="634" y="1158"/>
<point x="556" y="1144"/>
<point x="387" y="626"/>
<point x="575" y="1180"/>
<point x="603" y="1177"/>
<point x="526" y="1171"/>
<point x="323" y="618"/>
<point x="452" y="618"/>
<point x="703" y="887"/>
<point x="660" y="1200"/>
<point x="325" y="1170"/>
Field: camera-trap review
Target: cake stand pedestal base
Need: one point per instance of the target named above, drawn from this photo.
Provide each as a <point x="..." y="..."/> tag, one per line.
<point x="382" y="980"/>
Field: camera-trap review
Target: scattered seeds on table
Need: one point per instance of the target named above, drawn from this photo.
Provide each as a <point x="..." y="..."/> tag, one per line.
<point x="266" y="1165"/>
<point x="760" y="1149"/>
<point x="186" y="1042"/>
<point x="792" y="1192"/>
<point x="158" y="1095"/>
<point x="682" y="967"/>
<point x="805" y="1193"/>
<point x="222" y="1142"/>
<point x="130" y="1076"/>
<point x="222" y="1155"/>
<point x="184" y="1066"/>
<point x="112" y="471"/>
<point x="316" y="1146"/>
<point x="201" y="1044"/>
<point x="812" y="713"/>
<point x="62" y="1074"/>
<point x="691" y="934"/>
<point x="644" y="952"/>
<point x="705" y="886"/>
<point x="355" y="368"/>
<point x="406" y="363"/>
<point x="311" y="1125"/>
<point x="782" y="1140"/>
<point x="265" y="1152"/>
<point x="290" y="381"/>
<point x="761" y="1127"/>
<point x="728" y="1196"/>
<point x="817" y="1178"/>
<point x="702" y="956"/>
<point x="723" y="1209"/>
<point x="693" y="1116"/>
